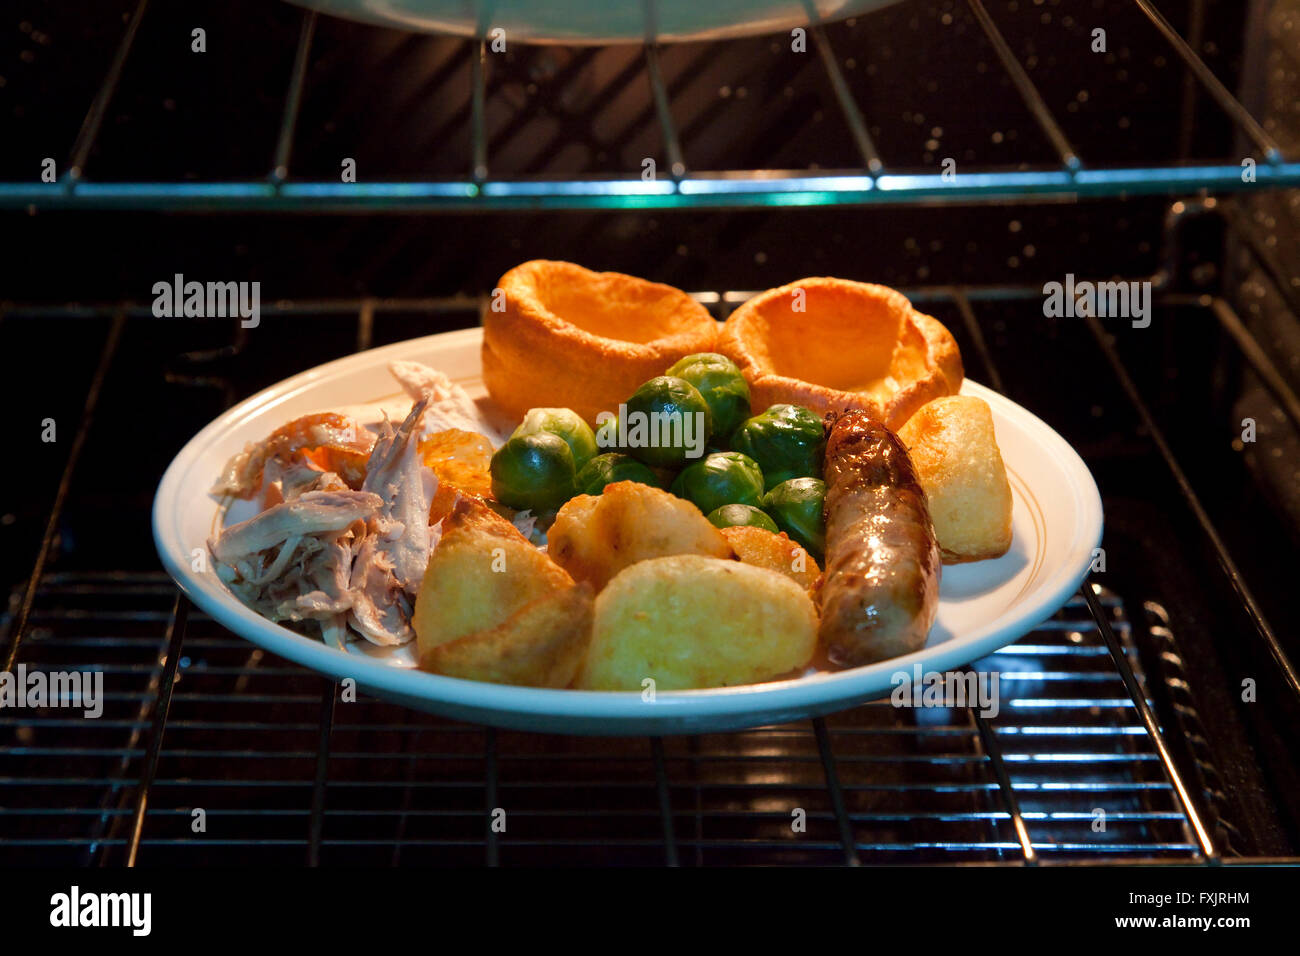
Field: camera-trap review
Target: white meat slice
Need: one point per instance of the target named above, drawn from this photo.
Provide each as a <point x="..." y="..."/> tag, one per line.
<point x="391" y="558"/>
<point x="449" y="405"/>
<point x="406" y="486"/>
<point x="311" y="513"/>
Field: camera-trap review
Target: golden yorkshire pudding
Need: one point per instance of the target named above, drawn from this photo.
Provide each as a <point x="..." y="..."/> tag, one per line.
<point x="572" y="338"/>
<point x="832" y="345"/>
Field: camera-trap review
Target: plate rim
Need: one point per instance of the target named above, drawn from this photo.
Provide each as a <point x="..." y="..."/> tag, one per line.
<point x="830" y="690"/>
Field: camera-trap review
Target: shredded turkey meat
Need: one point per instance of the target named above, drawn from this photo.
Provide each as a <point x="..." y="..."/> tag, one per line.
<point x="449" y="405"/>
<point x="320" y="551"/>
<point x="390" y="561"/>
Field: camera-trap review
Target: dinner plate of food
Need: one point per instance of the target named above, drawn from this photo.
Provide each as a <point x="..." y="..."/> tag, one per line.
<point x="604" y="512"/>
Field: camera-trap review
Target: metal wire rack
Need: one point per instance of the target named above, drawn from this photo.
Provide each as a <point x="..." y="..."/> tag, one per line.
<point x="282" y="771"/>
<point x="869" y="181"/>
<point x="1077" y="766"/>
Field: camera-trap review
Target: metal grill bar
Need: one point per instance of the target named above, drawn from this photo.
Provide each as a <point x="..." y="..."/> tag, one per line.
<point x="1149" y="721"/>
<point x="1028" y="91"/>
<point x="61" y="493"/>
<point x="665" y="800"/>
<point x="668" y="129"/>
<point x="1229" y="103"/>
<point x="847" y="838"/>
<point x="478" y="112"/>
<point x="977" y="336"/>
<point x="94" y="119"/>
<point x="329" y="691"/>
<point x="848" y="106"/>
<point x="1008" y="792"/>
<point x="491" y="844"/>
<point x="175" y="638"/>
<point x="293" y="98"/>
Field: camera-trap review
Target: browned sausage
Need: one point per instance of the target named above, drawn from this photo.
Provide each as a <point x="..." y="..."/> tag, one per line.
<point x="880" y="590"/>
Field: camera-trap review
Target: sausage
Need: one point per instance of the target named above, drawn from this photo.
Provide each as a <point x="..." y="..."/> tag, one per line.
<point x="880" y="590"/>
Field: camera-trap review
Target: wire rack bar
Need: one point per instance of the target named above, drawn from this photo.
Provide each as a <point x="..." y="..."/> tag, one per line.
<point x="1028" y="91"/>
<point x="737" y="189"/>
<point x="329" y="690"/>
<point x="478" y="112"/>
<point x="665" y="801"/>
<point x="491" y="785"/>
<point x="848" y="106"/>
<point x="1229" y="103"/>
<point x="293" y="98"/>
<point x="843" y="821"/>
<point x="61" y="493"/>
<point x="94" y="118"/>
<point x="162" y="704"/>
<point x="667" y="128"/>
<point x="993" y="749"/>
<point x="1187" y="107"/>
<point x="1148" y="717"/>
<point x="977" y="336"/>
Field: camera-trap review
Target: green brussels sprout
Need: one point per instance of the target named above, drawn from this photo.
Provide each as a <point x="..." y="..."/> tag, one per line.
<point x="742" y="516"/>
<point x="723" y="387"/>
<point x="724" y="478"/>
<point x="796" y="507"/>
<point x="611" y="467"/>
<point x="787" y="441"/>
<point x="535" y="471"/>
<point x="565" y="423"/>
<point x="668" y="422"/>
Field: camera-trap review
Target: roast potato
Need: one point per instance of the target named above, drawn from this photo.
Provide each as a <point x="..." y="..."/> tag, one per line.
<point x="690" y="621"/>
<point x="594" y="537"/>
<point x="492" y="607"/>
<point x="541" y="645"/>
<point x="775" y="552"/>
<point x="952" y="445"/>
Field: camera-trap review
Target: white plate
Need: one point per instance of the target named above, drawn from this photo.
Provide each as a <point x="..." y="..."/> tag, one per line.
<point x="1057" y="523"/>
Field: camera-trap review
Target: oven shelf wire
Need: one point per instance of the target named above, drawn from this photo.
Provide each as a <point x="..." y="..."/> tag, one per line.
<point x="874" y="182"/>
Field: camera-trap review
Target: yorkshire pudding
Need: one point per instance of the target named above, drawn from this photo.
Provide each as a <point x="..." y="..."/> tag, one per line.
<point x="832" y="345"/>
<point x="568" y="337"/>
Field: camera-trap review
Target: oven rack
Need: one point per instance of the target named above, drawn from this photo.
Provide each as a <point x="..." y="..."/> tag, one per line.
<point x="872" y="182"/>
<point x="1082" y="720"/>
<point x="286" y="772"/>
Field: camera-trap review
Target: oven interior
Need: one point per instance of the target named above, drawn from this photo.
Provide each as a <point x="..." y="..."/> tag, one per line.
<point x="1124" y="733"/>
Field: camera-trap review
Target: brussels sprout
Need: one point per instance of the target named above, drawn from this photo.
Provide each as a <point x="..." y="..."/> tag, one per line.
<point x="611" y="467"/>
<point x="796" y="507"/>
<point x="719" y="381"/>
<point x="724" y="478"/>
<point x="565" y="423"/>
<point x="740" y="516"/>
<point x="534" y="471"/>
<point x="668" y="422"/>
<point x="787" y="441"/>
